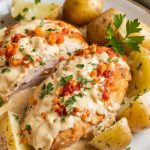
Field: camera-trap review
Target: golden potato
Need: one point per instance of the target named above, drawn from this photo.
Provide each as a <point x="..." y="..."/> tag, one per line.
<point x="9" y="129"/>
<point x="139" y="64"/>
<point x="138" y="113"/>
<point x="96" y="30"/>
<point x="23" y="10"/>
<point x="81" y="12"/>
<point x="116" y="137"/>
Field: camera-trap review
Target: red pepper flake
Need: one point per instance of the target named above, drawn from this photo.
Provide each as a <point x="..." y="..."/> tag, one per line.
<point x="43" y="114"/>
<point x="70" y="87"/>
<point x="107" y="74"/>
<point x="65" y="31"/>
<point x="16" y="38"/>
<point x="11" y="50"/>
<point x="60" y="110"/>
<point x="105" y="95"/>
<point x="85" y="115"/>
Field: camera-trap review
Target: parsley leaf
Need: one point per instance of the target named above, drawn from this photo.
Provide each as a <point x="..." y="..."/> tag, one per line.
<point x="42" y="63"/>
<point x="81" y="66"/>
<point x="30" y="58"/>
<point x="79" y="95"/>
<point x="132" y="26"/>
<point x="118" y="20"/>
<point x="37" y="1"/>
<point x="16" y="116"/>
<point x="68" y="53"/>
<point x="70" y="101"/>
<point x="109" y="60"/>
<point x="41" y="23"/>
<point x="63" y="80"/>
<point x="128" y="148"/>
<point x="33" y="18"/>
<point x="46" y="89"/>
<point x="109" y="31"/>
<point x="132" y="42"/>
<point x="19" y="17"/>
<point x="25" y="9"/>
<point x="1" y="101"/>
<point x="50" y="30"/>
<point x="119" y="45"/>
<point x="28" y="127"/>
<point x="5" y="70"/>
<point x="82" y="80"/>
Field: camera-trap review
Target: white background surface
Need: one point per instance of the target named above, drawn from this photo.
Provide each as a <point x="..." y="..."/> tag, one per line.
<point x="141" y="141"/>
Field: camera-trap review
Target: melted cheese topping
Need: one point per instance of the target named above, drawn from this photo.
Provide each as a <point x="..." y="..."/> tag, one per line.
<point x="28" y="48"/>
<point x="72" y="94"/>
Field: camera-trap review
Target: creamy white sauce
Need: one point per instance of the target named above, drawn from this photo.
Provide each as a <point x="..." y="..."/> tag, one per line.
<point x="91" y="100"/>
<point x="43" y="51"/>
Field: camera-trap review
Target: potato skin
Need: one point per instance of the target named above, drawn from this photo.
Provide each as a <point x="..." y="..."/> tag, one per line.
<point x="138" y="115"/>
<point x="81" y="12"/>
<point x="96" y="30"/>
<point x="116" y="137"/>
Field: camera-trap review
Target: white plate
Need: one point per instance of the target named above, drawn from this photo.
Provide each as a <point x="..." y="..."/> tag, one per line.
<point x="141" y="141"/>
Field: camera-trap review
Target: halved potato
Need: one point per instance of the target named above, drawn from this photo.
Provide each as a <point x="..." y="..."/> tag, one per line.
<point x="116" y="137"/>
<point x="140" y="69"/>
<point x="138" y="113"/>
<point x="23" y="10"/>
<point x="9" y="133"/>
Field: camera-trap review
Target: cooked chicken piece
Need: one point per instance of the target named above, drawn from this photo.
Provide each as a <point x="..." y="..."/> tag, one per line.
<point x="82" y="94"/>
<point x="30" y="48"/>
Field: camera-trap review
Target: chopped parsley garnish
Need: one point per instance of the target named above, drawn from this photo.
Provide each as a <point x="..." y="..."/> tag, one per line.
<point x="21" y="49"/>
<point x="41" y="23"/>
<point x="42" y="63"/>
<point x="25" y="9"/>
<point x="82" y="80"/>
<point x="28" y="127"/>
<point x="33" y="50"/>
<point x="50" y="30"/>
<point x="118" y="45"/>
<point x="63" y="119"/>
<point x="139" y="66"/>
<point x="5" y="70"/>
<point x="62" y="100"/>
<point x="1" y="101"/>
<point x="109" y="60"/>
<point x="19" y="17"/>
<point x="128" y="148"/>
<point x="63" y="80"/>
<point x="68" y="53"/>
<point x="92" y="52"/>
<point x="81" y="66"/>
<point x="37" y="1"/>
<point x="16" y="116"/>
<point x="79" y="95"/>
<point x="30" y="58"/>
<point x="33" y="18"/>
<point x="70" y="101"/>
<point x="46" y="89"/>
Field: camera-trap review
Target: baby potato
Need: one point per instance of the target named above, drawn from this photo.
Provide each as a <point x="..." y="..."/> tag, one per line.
<point x="96" y="30"/>
<point x="81" y="12"/>
<point x="9" y="133"/>
<point x="24" y="10"/>
<point x="138" y="113"/>
<point x="139" y="64"/>
<point x="116" y="137"/>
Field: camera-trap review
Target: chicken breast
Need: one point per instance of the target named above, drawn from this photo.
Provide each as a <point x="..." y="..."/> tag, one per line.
<point x="29" y="48"/>
<point x="83" y="93"/>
